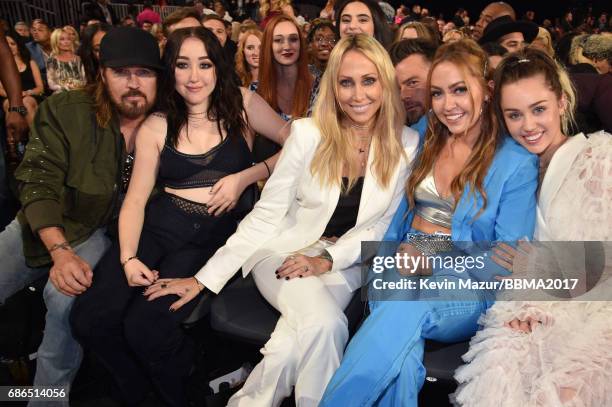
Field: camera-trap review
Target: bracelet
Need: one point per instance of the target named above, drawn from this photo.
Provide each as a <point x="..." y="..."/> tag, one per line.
<point x="326" y="256"/>
<point x="267" y="168"/>
<point x="123" y="263"/>
<point x="64" y="246"/>
<point x="200" y="285"/>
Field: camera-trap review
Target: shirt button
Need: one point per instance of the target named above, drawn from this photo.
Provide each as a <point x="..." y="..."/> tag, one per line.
<point x="196" y="226"/>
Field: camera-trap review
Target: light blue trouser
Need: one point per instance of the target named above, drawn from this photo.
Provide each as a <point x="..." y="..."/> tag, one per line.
<point x="59" y="355"/>
<point x="383" y="363"/>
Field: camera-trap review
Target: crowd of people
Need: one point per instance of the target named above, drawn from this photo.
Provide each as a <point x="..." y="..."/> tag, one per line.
<point x="153" y="159"/>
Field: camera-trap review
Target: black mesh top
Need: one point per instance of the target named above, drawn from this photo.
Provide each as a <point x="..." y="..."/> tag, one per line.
<point x="183" y="171"/>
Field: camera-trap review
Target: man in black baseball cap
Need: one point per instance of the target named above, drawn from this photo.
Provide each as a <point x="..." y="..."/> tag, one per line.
<point x="76" y="167"/>
<point x="127" y="53"/>
<point x="510" y="34"/>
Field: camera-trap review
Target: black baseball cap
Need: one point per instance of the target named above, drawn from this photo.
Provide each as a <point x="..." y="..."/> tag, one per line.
<point x="129" y="46"/>
<point x="505" y="25"/>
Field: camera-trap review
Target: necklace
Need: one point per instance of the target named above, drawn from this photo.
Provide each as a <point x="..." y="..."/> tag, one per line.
<point x="360" y="126"/>
<point x="364" y="149"/>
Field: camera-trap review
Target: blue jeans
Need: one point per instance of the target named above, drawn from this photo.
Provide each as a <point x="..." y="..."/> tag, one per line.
<point x="383" y="363"/>
<point x="59" y="355"/>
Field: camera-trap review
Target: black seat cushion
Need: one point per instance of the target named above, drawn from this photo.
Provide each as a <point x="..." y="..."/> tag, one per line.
<point x="442" y="359"/>
<point x="240" y="311"/>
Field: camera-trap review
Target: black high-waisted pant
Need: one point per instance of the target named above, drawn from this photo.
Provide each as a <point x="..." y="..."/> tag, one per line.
<point x="141" y="342"/>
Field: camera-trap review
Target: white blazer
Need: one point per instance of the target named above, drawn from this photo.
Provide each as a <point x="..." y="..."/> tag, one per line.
<point x="295" y="208"/>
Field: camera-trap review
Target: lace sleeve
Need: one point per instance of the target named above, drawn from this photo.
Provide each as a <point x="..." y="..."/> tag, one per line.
<point x="582" y="209"/>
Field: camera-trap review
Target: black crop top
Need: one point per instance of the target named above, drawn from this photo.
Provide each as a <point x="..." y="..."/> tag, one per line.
<point x="183" y="171"/>
<point x="345" y="214"/>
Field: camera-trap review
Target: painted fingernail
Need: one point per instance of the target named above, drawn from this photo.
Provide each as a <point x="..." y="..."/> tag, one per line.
<point x="277" y="277"/>
<point x="276" y="272"/>
<point x="300" y="276"/>
<point x="286" y="278"/>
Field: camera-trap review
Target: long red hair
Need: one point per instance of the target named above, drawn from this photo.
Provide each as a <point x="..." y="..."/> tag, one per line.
<point x="267" y="72"/>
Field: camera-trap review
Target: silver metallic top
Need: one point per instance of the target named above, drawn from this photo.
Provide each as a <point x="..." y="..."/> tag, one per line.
<point x="430" y="206"/>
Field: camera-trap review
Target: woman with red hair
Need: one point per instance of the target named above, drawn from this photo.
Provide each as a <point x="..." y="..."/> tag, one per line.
<point x="284" y="59"/>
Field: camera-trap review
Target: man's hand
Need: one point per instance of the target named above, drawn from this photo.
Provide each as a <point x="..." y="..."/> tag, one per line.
<point x="70" y="274"/>
<point x="17" y="127"/>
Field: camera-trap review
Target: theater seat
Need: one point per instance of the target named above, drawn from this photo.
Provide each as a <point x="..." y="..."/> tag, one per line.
<point x="242" y="313"/>
<point x="442" y="359"/>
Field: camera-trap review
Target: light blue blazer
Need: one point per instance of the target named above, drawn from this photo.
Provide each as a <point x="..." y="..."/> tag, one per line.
<point x="510" y="185"/>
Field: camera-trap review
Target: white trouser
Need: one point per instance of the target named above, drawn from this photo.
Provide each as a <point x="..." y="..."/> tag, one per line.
<point x="307" y="344"/>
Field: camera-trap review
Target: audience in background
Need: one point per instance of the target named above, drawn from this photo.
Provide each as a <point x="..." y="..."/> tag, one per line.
<point x="363" y="16"/>
<point x="147" y="14"/>
<point x="40" y="46"/>
<point x="29" y="75"/>
<point x="65" y="70"/>
<point x="543" y="41"/>
<point x="23" y="30"/>
<point x="247" y="58"/>
<point x="89" y="51"/>
<point x="321" y="40"/>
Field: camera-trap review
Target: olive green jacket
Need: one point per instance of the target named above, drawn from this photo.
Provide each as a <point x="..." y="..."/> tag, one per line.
<point x="70" y="174"/>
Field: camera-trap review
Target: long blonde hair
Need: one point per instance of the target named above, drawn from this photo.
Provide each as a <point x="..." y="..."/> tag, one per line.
<point x="466" y="55"/>
<point x="334" y="150"/>
<point x="55" y="40"/>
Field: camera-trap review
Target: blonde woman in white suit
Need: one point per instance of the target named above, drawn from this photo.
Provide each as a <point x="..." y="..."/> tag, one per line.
<point x="338" y="182"/>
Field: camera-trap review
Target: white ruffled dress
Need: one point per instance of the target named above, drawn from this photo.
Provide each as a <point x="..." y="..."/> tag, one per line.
<point x="572" y="347"/>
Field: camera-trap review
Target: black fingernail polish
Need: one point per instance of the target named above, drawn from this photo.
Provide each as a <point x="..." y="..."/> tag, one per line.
<point x="276" y="272"/>
<point x="277" y="277"/>
<point x="300" y="276"/>
<point x="286" y="278"/>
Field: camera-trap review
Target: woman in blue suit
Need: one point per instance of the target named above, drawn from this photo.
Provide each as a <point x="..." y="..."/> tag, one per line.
<point x="469" y="185"/>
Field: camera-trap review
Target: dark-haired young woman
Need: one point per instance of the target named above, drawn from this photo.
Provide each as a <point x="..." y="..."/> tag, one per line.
<point x="89" y="51"/>
<point x="363" y="16"/>
<point x="197" y="149"/>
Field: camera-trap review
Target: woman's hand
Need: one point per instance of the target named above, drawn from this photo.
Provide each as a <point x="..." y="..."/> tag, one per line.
<point x="298" y="265"/>
<point x="186" y="288"/>
<point x="225" y="194"/>
<point x="138" y="274"/>
<point x="526" y="326"/>
<point x="510" y="258"/>
<point x="412" y="261"/>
